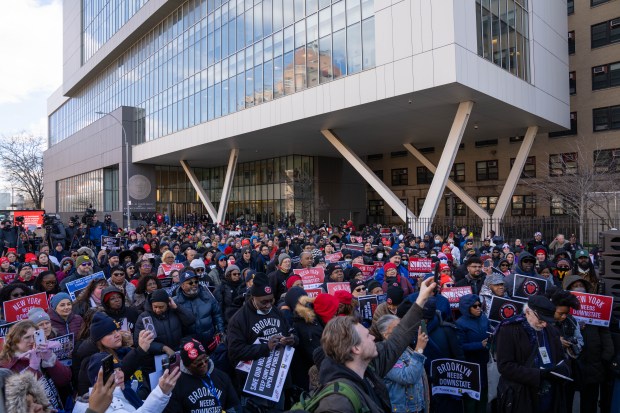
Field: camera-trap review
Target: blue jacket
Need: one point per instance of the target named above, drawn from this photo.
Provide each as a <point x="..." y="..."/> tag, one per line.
<point x="405" y="383"/>
<point x="471" y="331"/>
<point x="206" y="309"/>
<point x="380" y="275"/>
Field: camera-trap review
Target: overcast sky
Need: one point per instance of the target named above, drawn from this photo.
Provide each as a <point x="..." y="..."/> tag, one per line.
<point x="31" y="69"/>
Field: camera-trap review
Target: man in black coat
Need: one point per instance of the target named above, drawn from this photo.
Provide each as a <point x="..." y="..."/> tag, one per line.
<point x="475" y="276"/>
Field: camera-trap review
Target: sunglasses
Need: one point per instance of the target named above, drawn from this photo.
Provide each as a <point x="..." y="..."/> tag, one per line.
<point x="476" y="306"/>
<point x="504" y="265"/>
<point x="18" y="295"/>
<point x="86" y="264"/>
<point x="120" y="274"/>
<point x="449" y="285"/>
<point x="197" y="270"/>
<point x="360" y="289"/>
<point x="235" y="273"/>
<point x="192" y="282"/>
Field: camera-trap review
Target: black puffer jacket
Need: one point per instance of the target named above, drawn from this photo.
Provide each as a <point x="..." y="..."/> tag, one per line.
<point x="226" y="294"/>
<point x="170" y="327"/>
<point x="310" y="328"/>
<point x="597" y="352"/>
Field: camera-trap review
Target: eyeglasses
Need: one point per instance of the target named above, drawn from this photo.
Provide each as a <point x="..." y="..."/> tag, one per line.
<point x="192" y="282"/>
<point x="197" y="270"/>
<point x="476" y="306"/>
<point x="119" y="274"/>
<point x="360" y="289"/>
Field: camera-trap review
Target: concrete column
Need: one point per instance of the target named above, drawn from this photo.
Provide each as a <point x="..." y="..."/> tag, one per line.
<point x="513" y="177"/>
<point x="202" y="194"/>
<point x="442" y="172"/>
<point x="377" y="184"/>
<point x="228" y="181"/>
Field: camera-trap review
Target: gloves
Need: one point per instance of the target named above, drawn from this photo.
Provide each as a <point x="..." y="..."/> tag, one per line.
<point x="35" y="360"/>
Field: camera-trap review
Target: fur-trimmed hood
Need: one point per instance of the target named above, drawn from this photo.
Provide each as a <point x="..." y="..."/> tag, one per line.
<point x="305" y="310"/>
<point x="17" y="387"/>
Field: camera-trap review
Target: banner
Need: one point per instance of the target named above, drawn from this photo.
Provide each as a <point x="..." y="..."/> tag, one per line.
<point x="63" y="354"/>
<point x="504" y="308"/>
<point x="112" y="243"/>
<point x="17" y="309"/>
<point x="354" y="247"/>
<point x="267" y="374"/>
<point x="368" y="271"/>
<point x="311" y="277"/>
<point x="454" y="294"/>
<point x="74" y="287"/>
<point x="595" y="309"/>
<point x="381" y="298"/>
<point x="526" y="287"/>
<point x="378" y="264"/>
<point x="313" y="292"/>
<point x="168" y="268"/>
<point x="38" y="270"/>
<point x="367" y="304"/>
<point x="455" y="377"/>
<point x="333" y="287"/>
<point x="420" y="266"/>
<point x="335" y="257"/>
<point x="32" y="219"/>
<point x="7" y="277"/>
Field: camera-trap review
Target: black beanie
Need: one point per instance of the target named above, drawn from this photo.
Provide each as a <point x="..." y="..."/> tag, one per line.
<point x="292" y="297"/>
<point x="395" y="295"/>
<point x="261" y="286"/>
<point x="101" y="326"/>
<point x="160" y="296"/>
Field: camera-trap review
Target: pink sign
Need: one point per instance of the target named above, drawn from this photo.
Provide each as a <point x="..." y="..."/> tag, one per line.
<point x="333" y="257"/>
<point x="311" y="277"/>
<point x="420" y="265"/>
<point x="15" y="310"/>
<point x="454" y="294"/>
<point x="595" y="309"/>
<point x="333" y="287"/>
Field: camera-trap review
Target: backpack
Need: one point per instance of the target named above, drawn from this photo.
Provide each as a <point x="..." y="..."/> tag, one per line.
<point x="309" y="402"/>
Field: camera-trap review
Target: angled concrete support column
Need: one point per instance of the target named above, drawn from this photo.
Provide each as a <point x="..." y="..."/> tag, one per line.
<point x="228" y="181"/>
<point x="442" y="172"/>
<point x="450" y="184"/>
<point x="377" y="184"/>
<point x="202" y="194"/>
<point x="514" y="175"/>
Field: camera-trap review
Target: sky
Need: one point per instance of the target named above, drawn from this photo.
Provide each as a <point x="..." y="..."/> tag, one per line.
<point x="31" y="69"/>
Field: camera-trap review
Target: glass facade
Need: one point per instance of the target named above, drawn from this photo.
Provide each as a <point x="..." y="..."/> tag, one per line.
<point x="265" y="191"/>
<point x="503" y="34"/>
<point x="210" y="58"/>
<point x="101" y="19"/>
<point x="98" y="188"/>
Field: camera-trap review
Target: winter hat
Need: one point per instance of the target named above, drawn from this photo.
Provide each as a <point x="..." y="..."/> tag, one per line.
<point x="395" y="295"/>
<point x="160" y="296"/>
<point x="344" y="297"/>
<point x="445" y="279"/>
<point x="282" y="257"/>
<point x="261" y="286"/>
<point x="57" y="298"/>
<point x="351" y="273"/>
<point x="191" y="349"/>
<point x="429" y="309"/>
<point x="82" y="259"/>
<point x="444" y="267"/>
<point x="331" y="267"/>
<point x="355" y="283"/>
<point x="30" y="257"/>
<point x="293" y="295"/>
<point x="372" y="285"/>
<point x="388" y="266"/>
<point x="494" y="279"/>
<point x="325" y="306"/>
<point x="101" y="326"/>
<point x="24" y="265"/>
<point x="230" y="269"/>
<point x="291" y="280"/>
<point x="3" y="260"/>
<point x="196" y="263"/>
<point x="36" y="315"/>
<point x="249" y="275"/>
<point x="565" y="262"/>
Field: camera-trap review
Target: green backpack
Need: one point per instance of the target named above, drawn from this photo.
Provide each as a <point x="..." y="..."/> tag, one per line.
<point x="309" y="403"/>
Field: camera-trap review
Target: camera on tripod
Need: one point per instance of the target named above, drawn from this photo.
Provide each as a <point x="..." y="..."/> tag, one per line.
<point x="88" y="216"/>
<point x="48" y="219"/>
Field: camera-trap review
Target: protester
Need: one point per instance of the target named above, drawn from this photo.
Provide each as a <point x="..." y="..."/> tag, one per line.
<point x="62" y="317"/>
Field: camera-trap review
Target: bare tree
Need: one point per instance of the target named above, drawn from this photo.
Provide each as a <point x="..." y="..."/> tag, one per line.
<point x="22" y="165"/>
<point x="582" y="182"/>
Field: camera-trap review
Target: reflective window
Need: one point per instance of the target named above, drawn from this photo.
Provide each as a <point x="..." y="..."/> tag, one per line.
<point x="210" y="58"/>
<point x="98" y="188"/>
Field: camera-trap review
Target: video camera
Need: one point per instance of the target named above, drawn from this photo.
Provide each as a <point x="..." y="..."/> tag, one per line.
<point x="74" y="219"/>
<point x="89" y="213"/>
<point x="48" y="219"/>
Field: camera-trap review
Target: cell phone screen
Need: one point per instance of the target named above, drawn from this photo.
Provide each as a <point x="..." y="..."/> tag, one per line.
<point x="107" y="365"/>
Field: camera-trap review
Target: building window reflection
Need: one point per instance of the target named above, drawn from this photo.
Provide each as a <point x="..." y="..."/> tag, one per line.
<point x="98" y="188"/>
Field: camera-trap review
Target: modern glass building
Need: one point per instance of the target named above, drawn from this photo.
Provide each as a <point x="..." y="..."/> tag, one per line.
<point x="263" y="109"/>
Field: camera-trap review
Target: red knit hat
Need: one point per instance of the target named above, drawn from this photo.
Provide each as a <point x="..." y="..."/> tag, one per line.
<point x="387" y="266"/>
<point x="444" y="267"/>
<point x="445" y="279"/>
<point x="325" y="306"/>
<point x="291" y="280"/>
<point x="344" y="297"/>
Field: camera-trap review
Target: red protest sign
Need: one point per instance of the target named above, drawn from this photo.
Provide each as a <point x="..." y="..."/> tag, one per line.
<point x="167" y="268"/>
<point x="386" y="242"/>
<point x="15" y="310"/>
<point x="335" y="257"/>
<point x="420" y="265"/>
<point x="313" y="292"/>
<point x="311" y="277"/>
<point x="32" y="219"/>
<point x="378" y="264"/>
<point x="595" y="309"/>
<point x="38" y="270"/>
<point x="454" y="294"/>
<point x="333" y="287"/>
<point x="367" y="270"/>
<point x="7" y="277"/>
<point x="354" y="247"/>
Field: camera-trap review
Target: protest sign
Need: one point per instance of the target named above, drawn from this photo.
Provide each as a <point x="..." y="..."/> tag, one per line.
<point x="354" y="247"/>
<point x="63" y="354"/>
<point x="381" y="298"/>
<point x="38" y="270"/>
<point x="4" y="328"/>
<point x="595" y="309"/>
<point x="7" y="277"/>
<point x="333" y="257"/>
<point x="32" y="218"/>
<point x="313" y="292"/>
<point x="74" y="287"/>
<point x="368" y="271"/>
<point x="112" y="243"/>
<point x="504" y="308"/>
<point x="378" y="264"/>
<point x="368" y="304"/>
<point x="17" y="309"/>
<point x="455" y="377"/>
<point x="333" y="287"/>
<point x="311" y="277"/>
<point x="386" y="242"/>
<point x="454" y="294"/>
<point x="166" y="269"/>
<point x="420" y="266"/>
<point x="267" y="374"/>
<point x="526" y="287"/>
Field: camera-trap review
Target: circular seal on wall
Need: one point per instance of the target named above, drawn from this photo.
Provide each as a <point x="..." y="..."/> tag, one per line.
<point x="139" y="187"/>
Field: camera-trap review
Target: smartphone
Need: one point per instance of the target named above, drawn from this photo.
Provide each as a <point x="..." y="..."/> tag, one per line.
<point x="437" y="276"/>
<point x="165" y="363"/>
<point x="149" y="326"/>
<point x="175" y="361"/>
<point x="39" y="337"/>
<point x="423" y="325"/>
<point x="107" y="364"/>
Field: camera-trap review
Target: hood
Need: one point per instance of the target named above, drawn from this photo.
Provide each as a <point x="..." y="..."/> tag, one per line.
<point x="331" y="371"/>
<point x="541" y="248"/>
<point x="87" y="251"/>
<point x="465" y="304"/>
<point x="523" y="255"/>
<point x="566" y="283"/>
<point x="111" y="289"/>
<point x="304" y="309"/>
<point x="17" y="387"/>
<point x="560" y="251"/>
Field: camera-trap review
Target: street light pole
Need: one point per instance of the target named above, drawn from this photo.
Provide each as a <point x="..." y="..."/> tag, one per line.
<point x="126" y="141"/>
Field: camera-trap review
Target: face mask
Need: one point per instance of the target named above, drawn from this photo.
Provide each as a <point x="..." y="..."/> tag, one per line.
<point x="579" y="290"/>
<point x="437" y="242"/>
<point x="380" y="255"/>
<point x="208" y="245"/>
<point x="259" y="312"/>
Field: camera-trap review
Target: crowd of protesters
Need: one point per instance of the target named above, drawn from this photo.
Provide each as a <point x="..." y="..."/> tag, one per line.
<point x="214" y="297"/>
